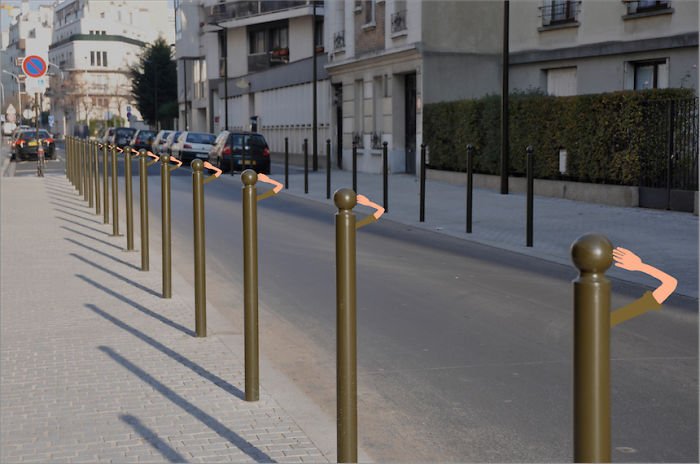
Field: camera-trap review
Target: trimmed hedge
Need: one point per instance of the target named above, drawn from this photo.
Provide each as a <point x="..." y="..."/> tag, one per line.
<point x="603" y="134"/>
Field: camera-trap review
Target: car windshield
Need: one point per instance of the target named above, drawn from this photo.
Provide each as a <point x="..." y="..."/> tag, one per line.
<point x="194" y="137"/>
<point x="125" y="132"/>
<point x="175" y="136"/>
<point x="31" y="135"/>
<point x="164" y="136"/>
<point x="256" y="141"/>
<point x="146" y="134"/>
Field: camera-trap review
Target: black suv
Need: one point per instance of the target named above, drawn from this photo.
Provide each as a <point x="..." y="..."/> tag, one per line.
<point x="242" y="150"/>
<point x="122" y="136"/>
<point x="143" y="139"/>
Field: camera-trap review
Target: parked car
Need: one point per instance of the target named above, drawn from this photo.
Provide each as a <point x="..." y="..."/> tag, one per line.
<point x="246" y="149"/>
<point x="172" y="138"/>
<point x="158" y="145"/>
<point x="143" y="139"/>
<point x="122" y="136"/>
<point x="26" y="144"/>
<point x="193" y="145"/>
<point x="108" y="135"/>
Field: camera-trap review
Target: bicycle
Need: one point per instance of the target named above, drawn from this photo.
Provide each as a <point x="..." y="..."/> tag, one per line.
<point x="40" y="161"/>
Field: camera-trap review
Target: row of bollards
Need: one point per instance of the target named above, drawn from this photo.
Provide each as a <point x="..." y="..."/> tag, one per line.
<point x="591" y="255"/>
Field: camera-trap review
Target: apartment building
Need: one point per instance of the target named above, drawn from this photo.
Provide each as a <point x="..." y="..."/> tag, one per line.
<point x="578" y="47"/>
<point x="29" y="33"/>
<point x="94" y="44"/>
<point x="249" y="64"/>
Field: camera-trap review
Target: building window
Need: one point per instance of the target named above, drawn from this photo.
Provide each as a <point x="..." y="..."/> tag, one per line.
<point x="257" y="42"/>
<point x="318" y="39"/>
<point x="104" y="59"/>
<point x="279" y="38"/>
<point x="99" y="58"/>
<point x="643" y="6"/>
<point x="92" y="58"/>
<point x="359" y="104"/>
<point x="369" y="6"/>
<point x="377" y="100"/>
<point x="561" y="82"/>
<point x="556" y="12"/>
<point x="650" y="74"/>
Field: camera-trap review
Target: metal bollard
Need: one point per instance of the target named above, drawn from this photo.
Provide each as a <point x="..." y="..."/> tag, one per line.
<point x="328" y="168"/>
<point x="129" y="200"/>
<point x="592" y="256"/>
<point x="90" y="173"/>
<point x="96" y="159"/>
<point x="143" y="210"/>
<point x="85" y="169"/>
<point x="470" y="185"/>
<point x="306" y="165"/>
<point x="345" y="253"/>
<point x="530" y="194"/>
<point x="200" y="285"/>
<point x="105" y="185"/>
<point x="79" y="162"/>
<point x="385" y="174"/>
<point x="115" y="194"/>
<point x="422" y="183"/>
<point x="250" y="284"/>
<point x="165" y="170"/>
<point x="286" y="162"/>
<point x="354" y="166"/>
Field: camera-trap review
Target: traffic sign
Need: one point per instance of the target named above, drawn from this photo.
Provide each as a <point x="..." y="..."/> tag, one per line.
<point x="51" y="120"/>
<point x="34" y="66"/>
<point x="36" y="85"/>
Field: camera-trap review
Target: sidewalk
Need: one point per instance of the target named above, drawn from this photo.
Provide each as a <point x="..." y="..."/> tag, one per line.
<point x="97" y="367"/>
<point x="665" y="239"/>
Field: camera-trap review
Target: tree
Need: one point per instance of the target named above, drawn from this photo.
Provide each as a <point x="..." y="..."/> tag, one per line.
<point x="154" y="83"/>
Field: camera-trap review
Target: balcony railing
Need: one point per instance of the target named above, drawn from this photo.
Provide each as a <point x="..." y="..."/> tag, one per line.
<point x="244" y="8"/>
<point x="339" y="41"/>
<point x="559" y="12"/>
<point x="644" y="6"/>
<point x="398" y="21"/>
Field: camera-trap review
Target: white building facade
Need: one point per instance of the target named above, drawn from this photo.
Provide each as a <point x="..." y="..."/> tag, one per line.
<point x="94" y="43"/>
<point x="265" y="50"/>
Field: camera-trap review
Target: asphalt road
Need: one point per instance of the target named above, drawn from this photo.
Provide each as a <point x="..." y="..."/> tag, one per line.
<point x="464" y="351"/>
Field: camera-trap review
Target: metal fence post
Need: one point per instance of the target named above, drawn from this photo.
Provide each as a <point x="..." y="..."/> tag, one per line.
<point x="79" y="157"/>
<point x="200" y="286"/>
<point x="105" y="185"/>
<point x="306" y="165"/>
<point x="470" y="185"/>
<point x="530" y="194"/>
<point x="385" y="174"/>
<point x="85" y="170"/>
<point x="286" y="162"/>
<point x="129" y="199"/>
<point x="165" y="224"/>
<point x="90" y="173"/>
<point x="250" y="284"/>
<point x="143" y="210"/>
<point x="422" y="183"/>
<point x="354" y="166"/>
<point x="328" y="168"/>
<point x="96" y="174"/>
<point x="345" y="252"/>
<point x="592" y="256"/>
<point x="115" y="194"/>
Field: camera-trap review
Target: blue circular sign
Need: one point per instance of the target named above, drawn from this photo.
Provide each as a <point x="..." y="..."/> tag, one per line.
<point x="34" y="66"/>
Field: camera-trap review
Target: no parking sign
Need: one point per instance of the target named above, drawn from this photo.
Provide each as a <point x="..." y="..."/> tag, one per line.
<point x="35" y="67"/>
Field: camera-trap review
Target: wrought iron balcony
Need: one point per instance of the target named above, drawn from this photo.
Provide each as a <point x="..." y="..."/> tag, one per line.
<point x="644" y="6"/>
<point x="339" y="40"/>
<point x="238" y="9"/>
<point x="398" y="21"/>
<point x="559" y="12"/>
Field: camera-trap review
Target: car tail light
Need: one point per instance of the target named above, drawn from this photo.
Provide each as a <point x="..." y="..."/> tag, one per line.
<point x="187" y="145"/>
<point x="138" y="141"/>
<point x="48" y="140"/>
<point x="227" y="151"/>
<point x="266" y="152"/>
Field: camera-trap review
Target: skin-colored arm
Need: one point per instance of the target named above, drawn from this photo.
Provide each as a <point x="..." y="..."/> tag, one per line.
<point x="625" y="259"/>
<point x="269" y="193"/>
<point x="363" y="200"/>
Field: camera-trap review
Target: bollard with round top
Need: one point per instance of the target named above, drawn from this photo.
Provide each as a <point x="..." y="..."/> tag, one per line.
<point x="200" y="286"/>
<point x="592" y="256"/>
<point x="250" y="284"/>
<point x="346" y="322"/>
<point x="165" y="225"/>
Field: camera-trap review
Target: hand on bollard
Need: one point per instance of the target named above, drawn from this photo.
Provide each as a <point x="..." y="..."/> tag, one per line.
<point x="627" y="260"/>
<point x="269" y="193"/>
<point x="363" y="200"/>
<point x="175" y="160"/>
<point x="217" y="172"/>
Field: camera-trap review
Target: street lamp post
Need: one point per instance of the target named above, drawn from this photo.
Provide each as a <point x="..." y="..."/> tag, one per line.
<point x="19" y="94"/>
<point x="223" y="42"/>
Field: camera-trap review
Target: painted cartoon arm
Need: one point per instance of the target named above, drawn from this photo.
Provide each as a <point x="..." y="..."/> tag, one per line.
<point x="269" y="193"/>
<point x="625" y="259"/>
<point x="363" y="200"/>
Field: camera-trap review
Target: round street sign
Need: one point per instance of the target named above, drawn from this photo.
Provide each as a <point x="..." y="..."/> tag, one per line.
<point x="34" y="66"/>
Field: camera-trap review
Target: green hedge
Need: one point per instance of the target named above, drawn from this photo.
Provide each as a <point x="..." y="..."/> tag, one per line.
<point x="603" y="134"/>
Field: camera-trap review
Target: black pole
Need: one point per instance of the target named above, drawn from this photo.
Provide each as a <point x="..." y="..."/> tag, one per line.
<point x="354" y="166"/>
<point x="669" y="163"/>
<point x="306" y="165"/>
<point x="315" y="78"/>
<point x="470" y="185"/>
<point x="184" y="71"/>
<point x="505" y="147"/>
<point x="328" y="169"/>
<point x="385" y="174"/>
<point x="286" y="162"/>
<point x="530" y="193"/>
<point x="422" y="182"/>
<point x="225" y="47"/>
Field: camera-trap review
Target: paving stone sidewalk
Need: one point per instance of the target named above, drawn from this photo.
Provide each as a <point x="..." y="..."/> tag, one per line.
<point x="97" y="367"/>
